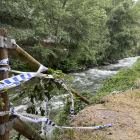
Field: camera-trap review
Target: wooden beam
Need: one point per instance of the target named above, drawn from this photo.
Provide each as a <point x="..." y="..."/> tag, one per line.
<point x="25" y="130"/>
<point x="34" y="64"/>
<point x="4" y="95"/>
<point x="25" y="57"/>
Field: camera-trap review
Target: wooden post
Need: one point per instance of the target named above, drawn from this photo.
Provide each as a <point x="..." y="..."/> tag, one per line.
<point x="25" y="130"/>
<point x="4" y="95"/>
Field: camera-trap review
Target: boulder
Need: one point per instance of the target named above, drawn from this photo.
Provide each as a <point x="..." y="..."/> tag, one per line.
<point x="105" y="63"/>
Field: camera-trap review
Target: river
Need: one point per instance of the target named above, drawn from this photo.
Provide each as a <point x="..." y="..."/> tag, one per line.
<point x="89" y="80"/>
<point x="92" y="79"/>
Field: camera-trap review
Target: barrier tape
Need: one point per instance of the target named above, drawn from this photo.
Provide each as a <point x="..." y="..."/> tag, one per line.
<point x="36" y="118"/>
<point x="4" y="62"/>
<point x="25" y="76"/>
<point x="72" y="101"/>
<point x="3" y="113"/>
<point x="93" y="127"/>
<point x="116" y="92"/>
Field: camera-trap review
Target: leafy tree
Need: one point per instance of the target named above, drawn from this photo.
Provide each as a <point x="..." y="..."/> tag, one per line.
<point x="90" y="31"/>
<point x="123" y="26"/>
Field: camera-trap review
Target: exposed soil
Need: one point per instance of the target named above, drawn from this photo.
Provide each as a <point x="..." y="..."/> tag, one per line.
<point x="121" y="110"/>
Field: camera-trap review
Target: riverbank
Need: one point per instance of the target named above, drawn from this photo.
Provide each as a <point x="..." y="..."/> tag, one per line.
<point x="121" y="110"/>
<point x="105" y="105"/>
<point x="91" y="66"/>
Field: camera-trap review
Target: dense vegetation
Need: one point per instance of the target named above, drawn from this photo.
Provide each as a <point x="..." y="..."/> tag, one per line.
<point x="123" y="80"/>
<point x="66" y="34"/>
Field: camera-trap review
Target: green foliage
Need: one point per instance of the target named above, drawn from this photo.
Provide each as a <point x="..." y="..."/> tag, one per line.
<point x="123" y="26"/>
<point x="37" y="92"/>
<point x="63" y="116"/>
<point x="123" y="80"/>
<point x="67" y="64"/>
<point x="71" y="133"/>
<point x="81" y="32"/>
<point x="17" y="137"/>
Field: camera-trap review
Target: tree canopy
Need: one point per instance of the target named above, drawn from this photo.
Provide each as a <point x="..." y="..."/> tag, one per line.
<point x="67" y="34"/>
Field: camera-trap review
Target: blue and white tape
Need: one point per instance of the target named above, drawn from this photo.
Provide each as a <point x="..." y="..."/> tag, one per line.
<point x="3" y="113"/>
<point x="25" y="76"/>
<point x="36" y="119"/>
<point x="93" y="127"/>
<point x="15" y="81"/>
<point x="4" y="62"/>
<point x="71" y="113"/>
<point x="72" y="101"/>
<point x="4" y="69"/>
<point x="116" y="92"/>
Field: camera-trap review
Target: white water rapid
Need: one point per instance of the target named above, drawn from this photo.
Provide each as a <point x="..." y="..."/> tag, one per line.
<point x="91" y="79"/>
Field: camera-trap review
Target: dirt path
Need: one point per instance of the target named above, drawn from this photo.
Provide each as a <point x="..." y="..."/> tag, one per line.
<point x="121" y="110"/>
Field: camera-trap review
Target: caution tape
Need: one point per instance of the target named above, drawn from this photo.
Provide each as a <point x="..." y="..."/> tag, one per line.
<point x="36" y="119"/>
<point x="72" y="101"/>
<point x="25" y="76"/>
<point x="93" y="127"/>
<point x="116" y="92"/>
<point x="4" y="62"/>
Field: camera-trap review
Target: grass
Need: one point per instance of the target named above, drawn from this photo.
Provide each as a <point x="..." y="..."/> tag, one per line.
<point x="123" y="80"/>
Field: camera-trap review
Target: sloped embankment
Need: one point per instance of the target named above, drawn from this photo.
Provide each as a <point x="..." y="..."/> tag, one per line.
<point x="122" y="110"/>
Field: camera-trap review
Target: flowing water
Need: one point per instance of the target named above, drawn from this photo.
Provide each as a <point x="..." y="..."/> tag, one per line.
<point x="92" y="79"/>
<point x="86" y="80"/>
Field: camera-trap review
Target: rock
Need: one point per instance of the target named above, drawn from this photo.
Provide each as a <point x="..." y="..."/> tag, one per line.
<point x="101" y="101"/>
<point x="92" y="65"/>
<point x="115" y="61"/>
<point x="83" y="68"/>
<point x="79" y="69"/>
<point x="105" y="63"/>
<point x="110" y="133"/>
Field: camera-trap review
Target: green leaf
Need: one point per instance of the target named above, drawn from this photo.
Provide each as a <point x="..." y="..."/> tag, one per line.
<point x="50" y="87"/>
